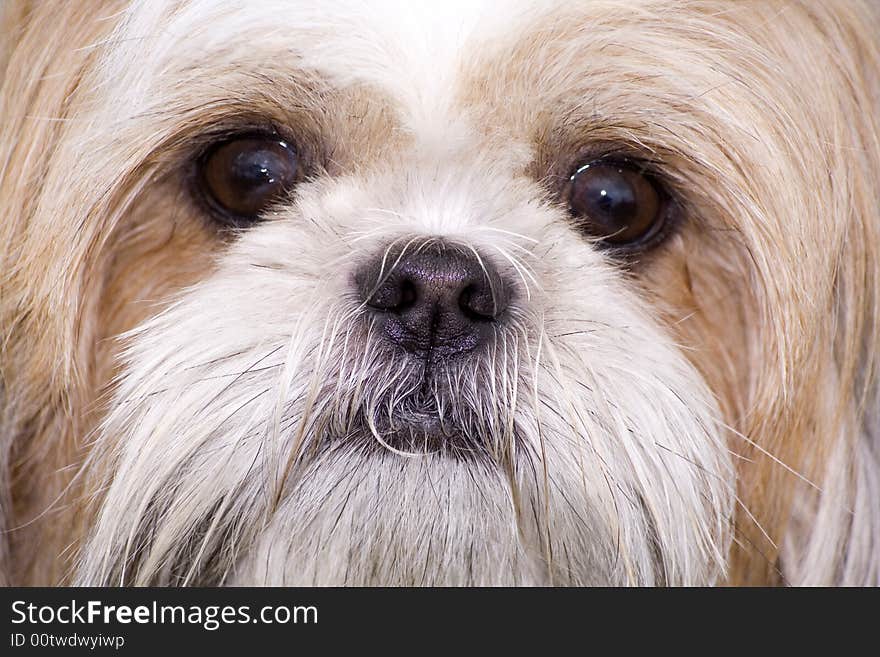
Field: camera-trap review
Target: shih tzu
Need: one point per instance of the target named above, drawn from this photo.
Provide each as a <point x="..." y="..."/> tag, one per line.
<point x="440" y="293"/>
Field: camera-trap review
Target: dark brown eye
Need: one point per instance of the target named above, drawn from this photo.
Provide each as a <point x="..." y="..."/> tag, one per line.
<point x="616" y="202"/>
<point x="243" y="176"/>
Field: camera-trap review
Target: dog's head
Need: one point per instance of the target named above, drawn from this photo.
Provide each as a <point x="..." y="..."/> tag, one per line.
<point x="353" y="293"/>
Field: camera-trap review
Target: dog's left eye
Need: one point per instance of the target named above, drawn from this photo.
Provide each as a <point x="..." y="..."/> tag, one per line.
<point x="617" y="202"/>
<point x="243" y="176"/>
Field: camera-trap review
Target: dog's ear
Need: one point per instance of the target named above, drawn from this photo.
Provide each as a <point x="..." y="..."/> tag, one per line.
<point x="14" y="16"/>
<point x="849" y="509"/>
<point x="835" y="530"/>
<point x="46" y="46"/>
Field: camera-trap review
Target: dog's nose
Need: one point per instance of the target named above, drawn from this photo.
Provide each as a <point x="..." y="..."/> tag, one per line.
<point x="435" y="301"/>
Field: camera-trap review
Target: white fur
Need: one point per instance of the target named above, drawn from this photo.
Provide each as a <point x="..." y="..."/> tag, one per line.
<point x="240" y="447"/>
<point x="236" y="455"/>
<point x="411" y="51"/>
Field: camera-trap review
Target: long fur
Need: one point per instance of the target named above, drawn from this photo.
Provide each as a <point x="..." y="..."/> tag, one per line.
<point x="181" y="405"/>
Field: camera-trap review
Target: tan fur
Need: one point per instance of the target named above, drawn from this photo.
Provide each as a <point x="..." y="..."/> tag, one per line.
<point x="768" y="113"/>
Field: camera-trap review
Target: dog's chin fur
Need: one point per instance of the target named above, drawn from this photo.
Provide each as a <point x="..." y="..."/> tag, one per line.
<point x="183" y="404"/>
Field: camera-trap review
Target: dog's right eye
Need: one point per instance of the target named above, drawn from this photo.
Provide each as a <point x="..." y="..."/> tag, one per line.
<point x="241" y="177"/>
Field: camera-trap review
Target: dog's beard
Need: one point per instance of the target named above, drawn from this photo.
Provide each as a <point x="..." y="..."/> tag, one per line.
<point x="262" y="433"/>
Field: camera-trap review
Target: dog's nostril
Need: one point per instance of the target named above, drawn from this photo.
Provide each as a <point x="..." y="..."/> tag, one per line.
<point x="408" y="296"/>
<point x="478" y="303"/>
<point x="391" y="296"/>
<point x="437" y="299"/>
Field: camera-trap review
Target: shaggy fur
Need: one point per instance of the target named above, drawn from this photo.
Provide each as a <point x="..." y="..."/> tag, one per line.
<point x="186" y="405"/>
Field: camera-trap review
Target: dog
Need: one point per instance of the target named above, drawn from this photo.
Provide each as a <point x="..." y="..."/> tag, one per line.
<point x="393" y="293"/>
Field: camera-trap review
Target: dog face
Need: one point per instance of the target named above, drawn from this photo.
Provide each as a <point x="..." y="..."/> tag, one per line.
<point x="569" y="293"/>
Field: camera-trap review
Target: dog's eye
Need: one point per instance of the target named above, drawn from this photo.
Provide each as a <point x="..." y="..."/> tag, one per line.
<point x="243" y="176"/>
<point x="616" y="202"/>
